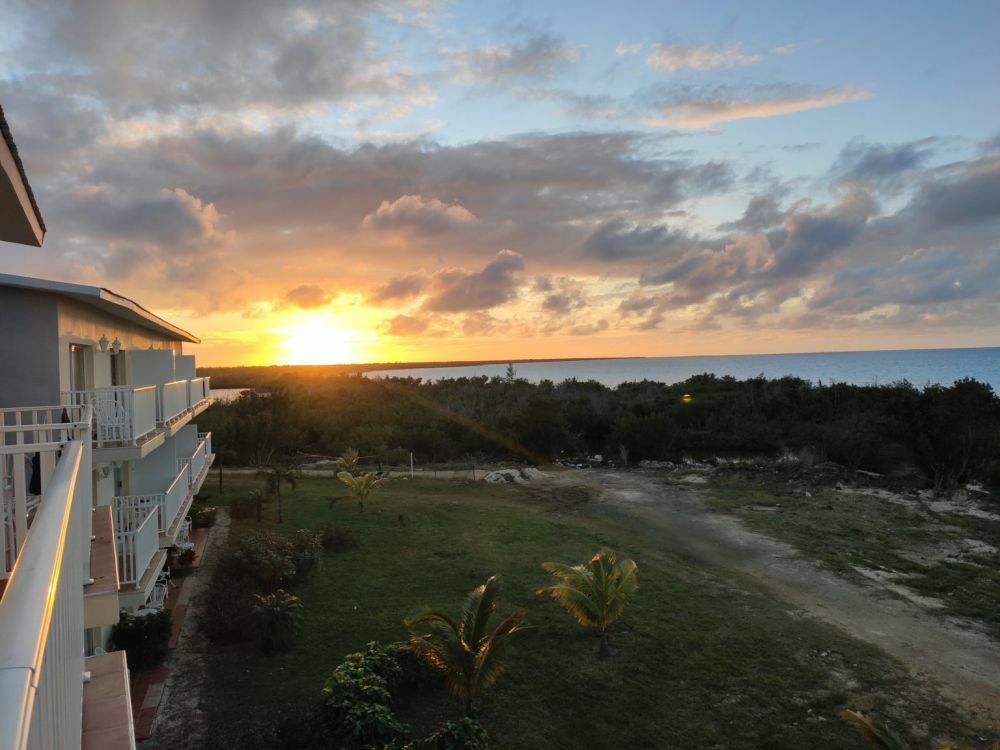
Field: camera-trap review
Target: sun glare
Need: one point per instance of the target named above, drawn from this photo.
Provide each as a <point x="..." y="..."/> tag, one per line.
<point x="318" y="340"/>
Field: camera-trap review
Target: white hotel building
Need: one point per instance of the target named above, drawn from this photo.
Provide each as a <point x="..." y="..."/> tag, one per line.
<point x="100" y="459"/>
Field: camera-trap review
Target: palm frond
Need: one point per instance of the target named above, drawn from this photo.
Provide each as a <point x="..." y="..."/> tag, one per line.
<point x="876" y="735"/>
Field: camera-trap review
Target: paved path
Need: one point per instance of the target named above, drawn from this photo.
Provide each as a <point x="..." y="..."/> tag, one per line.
<point x="180" y="720"/>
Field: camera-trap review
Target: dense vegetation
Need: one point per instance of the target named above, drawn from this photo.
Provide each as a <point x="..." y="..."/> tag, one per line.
<point x="948" y="434"/>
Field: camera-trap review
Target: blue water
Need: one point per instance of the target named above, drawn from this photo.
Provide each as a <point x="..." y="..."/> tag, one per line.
<point x="918" y="366"/>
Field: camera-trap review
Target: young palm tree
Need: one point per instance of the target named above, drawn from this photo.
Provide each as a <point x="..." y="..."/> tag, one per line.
<point x="278" y="617"/>
<point x="595" y="593"/>
<point x="876" y="735"/>
<point x="274" y="476"/>
<point x="361" y="487"/>
<point x="468" y="651"/>
<point x="349" y="461"/>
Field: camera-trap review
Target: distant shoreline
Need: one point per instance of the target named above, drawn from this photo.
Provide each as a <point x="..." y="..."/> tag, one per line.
<point x="371" y="366"/>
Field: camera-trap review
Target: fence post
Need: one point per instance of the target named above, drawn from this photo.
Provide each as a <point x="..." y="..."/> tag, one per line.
<point x="411" y="464"/>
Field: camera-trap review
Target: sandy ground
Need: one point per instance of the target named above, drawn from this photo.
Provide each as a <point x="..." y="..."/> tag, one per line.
<point x="180" y="720"/>
<point x="964" y="660"/>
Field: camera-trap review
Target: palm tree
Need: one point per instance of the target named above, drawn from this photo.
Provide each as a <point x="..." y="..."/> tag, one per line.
<point x="361" y="487"/>
<point x="349" y="461"/>
<point x="274" y="476"/>
<point x="278" y="617"/>
<point x="468" y="652"/>
<point x="595" y="593"/>
<point x="876" y="735"/>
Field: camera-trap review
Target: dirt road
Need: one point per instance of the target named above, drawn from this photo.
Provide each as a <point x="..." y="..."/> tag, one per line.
<point x="964" y="660"/>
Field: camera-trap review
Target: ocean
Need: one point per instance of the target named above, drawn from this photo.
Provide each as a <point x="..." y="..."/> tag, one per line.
<point x="921" y="367"/>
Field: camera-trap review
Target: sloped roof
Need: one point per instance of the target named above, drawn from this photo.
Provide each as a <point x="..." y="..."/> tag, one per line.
<point x="102" y="299"/>
<point x="9" y="139"/>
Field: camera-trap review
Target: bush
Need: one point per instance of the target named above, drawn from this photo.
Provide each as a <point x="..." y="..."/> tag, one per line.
<point x="336" y="539"/>
<point x="227" y="617"/>
<point x="464" y="734"/>
<point x="144" y="639"/>
<point x="278" y="617"/>
<point x="203" y="518"/>
<point x="358" y="696"/>
<point x="242" y="507"/>
<point x="180" y="562"/>
<point x="305" y="553"/>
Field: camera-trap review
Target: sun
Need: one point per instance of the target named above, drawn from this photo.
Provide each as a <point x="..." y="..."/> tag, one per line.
<point x="317" y="339"/>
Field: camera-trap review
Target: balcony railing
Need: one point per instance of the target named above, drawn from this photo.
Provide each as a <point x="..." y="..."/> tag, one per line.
<point x="137" y="535"/>
<point x="30" y="441"/>
<point x="197" y="391"/>
<point x="41" y="612"/>
<point x="172" y="401"/>
<point x="167" y="504"/>
<point x="199" y="461"/>
<point x="124" y="414"/>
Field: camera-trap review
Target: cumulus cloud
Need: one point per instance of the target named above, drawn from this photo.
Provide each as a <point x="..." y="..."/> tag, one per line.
<point x="694" y="108"/>
<point x="495" y="284"/>
<point x="616" y="240"/>
<point x="431" y="216"/>
<point x="405" y="325"/>
<point x="762" y="212"/>
<point x="588" y="329"/>
<point x="307" y="295"/>
<point x="399" y="288"/>
<point x="535" y="56"/>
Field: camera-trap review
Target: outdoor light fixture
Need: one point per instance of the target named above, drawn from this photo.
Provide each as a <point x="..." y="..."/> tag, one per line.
<point x="103" y="343"/>
<point x="116" y="346"/>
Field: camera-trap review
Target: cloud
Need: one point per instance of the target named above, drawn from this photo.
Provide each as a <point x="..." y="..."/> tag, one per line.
<point x="880" y="165"/>
<point x="399" y="288"/>
<point x="589" y="329"/>
<point x="702" y="109"/>
<point x="405" y="325"/>
<point x="429" y="216"/>
<point x="622" y="49"/>
<point x="676" y="56"/>
<point x="458" y="291"/>
<point x="762" y="212"/>
<point x="617" y="240"/>
<point x="535" y="56"/>
<point x="307" y="295"/>
<point x="968" y="194"/>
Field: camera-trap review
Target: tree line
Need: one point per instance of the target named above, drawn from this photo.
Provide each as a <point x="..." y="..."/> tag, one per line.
<point x="949" y="434"/>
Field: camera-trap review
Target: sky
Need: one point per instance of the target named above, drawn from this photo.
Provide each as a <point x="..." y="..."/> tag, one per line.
<point x="324" y="182"/>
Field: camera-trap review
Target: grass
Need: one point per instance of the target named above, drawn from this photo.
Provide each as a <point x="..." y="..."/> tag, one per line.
<point x="699" y="659"/>
<point x="846" y="531"/>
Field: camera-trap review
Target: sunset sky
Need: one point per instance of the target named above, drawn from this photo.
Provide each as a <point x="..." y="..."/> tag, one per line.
<point x="317" y="182"/>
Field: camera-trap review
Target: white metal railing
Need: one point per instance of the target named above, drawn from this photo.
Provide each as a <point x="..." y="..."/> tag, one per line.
<point x="124" y="414"/>
<point x="137" y="534"/>
<point x="30" y="445"/>
<point x="172" y="400"/>
<point x="41" y="615"/>
<point x="206" y="437"/>
<point x="196" y="392"/>
<point x="167" y="504"/>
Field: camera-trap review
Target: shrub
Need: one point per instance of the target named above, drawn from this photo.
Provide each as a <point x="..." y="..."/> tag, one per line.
<point x="242" y="507"/>
<point x="278" y="617"/>
<point x="144" y="639"/>
<point x="305" y="549"/>
<point x="358" y="696"/>
<point x="181" y="561"/>
<point x="464" y="734"/>
<point x="336" y="539"/>
<point x="204" y="517"/>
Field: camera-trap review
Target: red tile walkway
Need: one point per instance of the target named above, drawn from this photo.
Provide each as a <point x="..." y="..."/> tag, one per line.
<point x="147" y="687"/>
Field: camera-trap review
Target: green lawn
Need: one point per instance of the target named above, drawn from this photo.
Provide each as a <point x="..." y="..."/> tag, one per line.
<point x="699" y="660"/>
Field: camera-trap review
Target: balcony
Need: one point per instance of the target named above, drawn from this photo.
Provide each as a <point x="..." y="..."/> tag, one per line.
<point x="170" y="505"/>
<point x="133" y="420"/>
<point x="30" y="444"/>
<point x="125" y="415"/>
<point x="137" y="537"/>
<point x="41" y="611"/>
<point x="200" y="461"/>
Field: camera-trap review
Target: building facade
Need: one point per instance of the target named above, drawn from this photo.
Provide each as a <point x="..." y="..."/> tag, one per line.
<point x="100" y="459"/>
